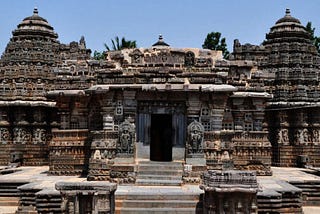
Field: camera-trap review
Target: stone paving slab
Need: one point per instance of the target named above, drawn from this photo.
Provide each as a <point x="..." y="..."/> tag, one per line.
<point x="8" y="209"/>
<point x="39" y="176"/>
<point x="311" y="210"/>
<point x="293" y="174"/>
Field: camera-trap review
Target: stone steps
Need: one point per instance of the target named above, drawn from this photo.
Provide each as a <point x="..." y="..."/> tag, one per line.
<point x="160" y="199"/>
<point x="160" y="203"/>
<point x="157" y="182"/>
<point x="310" y="192"/>
<point x="157" y="210"/>
<point x="10" y="189"/>
<point x="9" y="201"/>
<point x="164" y="172"/>
<point x="280" y="198"/>
<point x="153" y="173"/>
<point x="143" y="196"/>
<point x="48" y="202"/>
<point x="158" y="177"/>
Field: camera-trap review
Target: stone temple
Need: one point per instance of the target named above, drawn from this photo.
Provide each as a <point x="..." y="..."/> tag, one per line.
<point x="123" y="129"/>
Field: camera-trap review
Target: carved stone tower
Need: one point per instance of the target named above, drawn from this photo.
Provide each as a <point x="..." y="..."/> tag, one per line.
<point x="26" y="69"/>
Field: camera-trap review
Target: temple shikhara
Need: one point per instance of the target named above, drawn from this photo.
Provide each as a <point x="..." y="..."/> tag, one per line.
<point x="224" y="129"/>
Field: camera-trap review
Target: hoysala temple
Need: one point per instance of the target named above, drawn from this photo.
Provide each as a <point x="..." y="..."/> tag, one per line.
<point x="160" y="116"/>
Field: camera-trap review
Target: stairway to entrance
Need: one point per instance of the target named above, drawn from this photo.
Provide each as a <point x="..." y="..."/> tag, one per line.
<point x="158" y="190"/>
<point x="158" y="199"/>
<point x="153" y="173"/>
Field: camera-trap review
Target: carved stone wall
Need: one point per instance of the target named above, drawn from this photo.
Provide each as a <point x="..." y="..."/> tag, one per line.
<point x="69" y="152"/>
<point x="103" y="151"/>
<point x="25" y="134"/>
<point x="87" y="197"/>
<point x="229" y="192"/>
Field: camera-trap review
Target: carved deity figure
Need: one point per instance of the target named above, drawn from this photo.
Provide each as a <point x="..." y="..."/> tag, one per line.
<point x="4" y="135"/>
<point x="283" y="137"/>
<point x="302" y="136"/>
<point x="97" y="154"/>
<point x="189" y="59"/>
<point x="195" y="134"/>
<point x="21" y="135"/>
<point x="126" y="135"/>
<point x="316" y="136"/>
<point x="39" y="135"/>
<point x="305" y="136"/>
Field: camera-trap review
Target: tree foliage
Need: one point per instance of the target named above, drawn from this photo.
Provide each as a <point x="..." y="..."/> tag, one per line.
<point x="213" y="41"/>
<point x="118" y="44"/>
<point x="315" y="40"/>
<point x="99" y="55"/>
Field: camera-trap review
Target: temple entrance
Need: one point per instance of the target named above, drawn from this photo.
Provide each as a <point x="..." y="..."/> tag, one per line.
<point x="85" y="204"/>
<point x="161" y="137"/>
<point x="161" y="131"/>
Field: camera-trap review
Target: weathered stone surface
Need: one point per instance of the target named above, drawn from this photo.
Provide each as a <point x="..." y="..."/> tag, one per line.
<point x="88" y="196"/>
<point x="105" y="118"/>
<point x="230" y="192"/>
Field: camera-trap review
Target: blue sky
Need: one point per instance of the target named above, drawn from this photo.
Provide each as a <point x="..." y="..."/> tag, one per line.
<point x="183" y="23"/>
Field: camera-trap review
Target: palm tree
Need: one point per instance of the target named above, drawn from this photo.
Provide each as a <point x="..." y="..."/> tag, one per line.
<point x="119" y="45"/>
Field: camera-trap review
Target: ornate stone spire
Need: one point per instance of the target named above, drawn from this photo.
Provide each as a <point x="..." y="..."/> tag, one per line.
<point x="160" y="42"/>
<point x="35" y="11"/>
<point x="288" y="12"/>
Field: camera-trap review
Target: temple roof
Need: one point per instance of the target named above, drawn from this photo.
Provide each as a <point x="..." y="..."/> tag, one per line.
<point x="160" y="42"/>
<point x="288" y="18"/>
<point x="35" y="24"/>
<point x="288" y="29"/>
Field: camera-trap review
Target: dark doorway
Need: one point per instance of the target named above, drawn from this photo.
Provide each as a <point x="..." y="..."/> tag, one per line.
<point x="161" y="137"/>
<point x="85" y="204"/>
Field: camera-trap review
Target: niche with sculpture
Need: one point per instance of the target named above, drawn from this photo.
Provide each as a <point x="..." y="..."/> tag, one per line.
<point x="126" y="137"/>
<point x="195" y="138"/>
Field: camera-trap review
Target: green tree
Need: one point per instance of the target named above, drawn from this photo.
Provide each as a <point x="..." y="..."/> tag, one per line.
<point x="315" y="40"/>
<point x="118" y="44"/>
<point x="99" y="55"/>
<point x="214" y="41"/>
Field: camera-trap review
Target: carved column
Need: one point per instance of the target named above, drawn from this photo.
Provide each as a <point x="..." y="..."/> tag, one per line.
<point x="193" y="107"/>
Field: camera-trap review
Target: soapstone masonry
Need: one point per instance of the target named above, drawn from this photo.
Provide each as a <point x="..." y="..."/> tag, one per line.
<point x="174" y="111"/>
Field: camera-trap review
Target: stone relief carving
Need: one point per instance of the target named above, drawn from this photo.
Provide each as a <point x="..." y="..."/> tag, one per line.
<point x="283" y="137"/>
<point x="189" y="59"/>
<point x="302" y="136"/>
<point x="126" y="137"/>
<point x="306" y="136"/>
<point x="316" y="136"/>
<point x="39" y="136"/>
<point x="103" y="151"/>
<point x="195" y="137"/>
<point x="4" y="135"/>
<point x="21" y="135"/>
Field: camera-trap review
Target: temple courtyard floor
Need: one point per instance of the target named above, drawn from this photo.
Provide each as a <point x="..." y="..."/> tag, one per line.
<point x="283" y="180"/>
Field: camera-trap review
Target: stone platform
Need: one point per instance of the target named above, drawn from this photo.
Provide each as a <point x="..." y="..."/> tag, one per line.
<point x="157" y="199"/>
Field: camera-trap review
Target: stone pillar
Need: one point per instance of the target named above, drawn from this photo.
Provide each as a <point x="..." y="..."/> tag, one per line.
<point x="216" y="120"/>
<point x="102" y="154"/>
<point x="229" y="192"/>
<point x="87" y="197"/>
<point x="5" y="140"/>
<point x="195" y="158"/>
<point x="130" y="105"/>
<point x="193" y="107"/>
